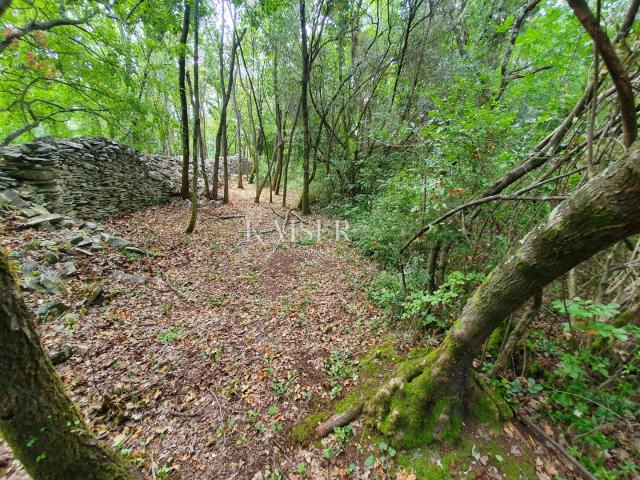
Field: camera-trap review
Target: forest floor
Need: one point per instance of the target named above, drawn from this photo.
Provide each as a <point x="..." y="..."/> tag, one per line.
<point x="199" y="358"/>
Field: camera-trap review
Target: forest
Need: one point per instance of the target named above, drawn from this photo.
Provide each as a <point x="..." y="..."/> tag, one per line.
<point x="323" y="239"/>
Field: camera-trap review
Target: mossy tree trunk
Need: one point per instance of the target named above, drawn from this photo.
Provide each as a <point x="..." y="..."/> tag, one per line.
<point x="37" y="419"/>
<point x="428" y="400"/>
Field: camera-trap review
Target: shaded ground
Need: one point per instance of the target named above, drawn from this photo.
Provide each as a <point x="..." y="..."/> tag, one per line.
<point x="198" y="361"/>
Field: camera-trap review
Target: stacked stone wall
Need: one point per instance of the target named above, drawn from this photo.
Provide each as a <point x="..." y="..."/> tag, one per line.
<point x="89" y="177"/>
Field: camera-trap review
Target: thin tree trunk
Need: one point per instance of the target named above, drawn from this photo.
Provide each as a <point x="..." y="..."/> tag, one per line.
<point x="516" y="335"/>
<point x="196" y="120"/>
<point x="306" y="145"/>
<point x="184" y="113"/>
<point x="225" y="166"/>
<point x="45" y="431"/>
<point x="236" y="109"/>
<point x="286" y="165"/>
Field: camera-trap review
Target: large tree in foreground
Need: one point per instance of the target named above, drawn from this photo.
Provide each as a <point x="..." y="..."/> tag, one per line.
<point x="37" y="419"/>
<point x="430" y="396"/>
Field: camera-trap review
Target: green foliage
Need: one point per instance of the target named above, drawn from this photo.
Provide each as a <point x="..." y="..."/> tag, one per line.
<point x="339" y="366"/>
<point x="169" y="335"/>
<point x="419" y="304"/>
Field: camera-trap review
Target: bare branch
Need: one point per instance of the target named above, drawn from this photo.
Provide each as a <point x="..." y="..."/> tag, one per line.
<point x="614" y="65"/>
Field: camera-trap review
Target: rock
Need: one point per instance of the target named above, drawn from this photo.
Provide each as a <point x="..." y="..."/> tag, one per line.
<point x="155" y="176"/>
<point x="34" y="211"/>
<point x="128" y="277"/>
<point x="32" y="283"/>
<point x="82" y="251"/>
<point x="52" y="282"/>
<point x="215" y="203"/>
<point x="51" y="257"/>
<point x="52" y="217"/>
<point x="90" y="225"/>
<point x="95" y="294"/>
<point x="69" y="269"/>
<point x="29" y="266"/>
<point x="66" y="223"/>
<point x="52" y="308"/>
<point x="13" y="198"/>
<point x="76" y="239"/>
<point x="60" y="356"/>
<point x="136" y="250"/>
<point x="114" y="241"/>
<point x="45" y="227"/>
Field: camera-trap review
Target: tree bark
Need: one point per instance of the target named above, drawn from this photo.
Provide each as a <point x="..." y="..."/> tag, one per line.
<point x="601" y="213"/>
<point x="196" y="120"/>
<point x="44" y="429"/>
<point x="304" y="90"/>
<point x="184" y="113"/>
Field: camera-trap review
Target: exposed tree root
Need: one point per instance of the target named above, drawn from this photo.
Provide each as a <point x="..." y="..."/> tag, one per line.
<point x="423" y="403"/>
<point x="339" y="420"/>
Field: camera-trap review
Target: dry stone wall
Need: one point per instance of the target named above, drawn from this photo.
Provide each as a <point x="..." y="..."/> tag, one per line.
<point x="89" y="177"/>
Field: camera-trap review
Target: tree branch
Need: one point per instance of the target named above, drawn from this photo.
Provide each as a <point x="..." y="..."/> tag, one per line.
<point x="614" y="65"/>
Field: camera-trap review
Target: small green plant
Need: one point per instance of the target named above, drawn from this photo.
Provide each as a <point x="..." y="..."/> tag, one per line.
<point x="339" y="366"/>
<point x="169" y="335"/>
<point x="131" y="256"/>
<point x="282" y="386"/>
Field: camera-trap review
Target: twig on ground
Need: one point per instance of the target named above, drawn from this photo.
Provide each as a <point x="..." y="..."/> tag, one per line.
<point x="537" y="431"/>
<point x="173" y="288"/>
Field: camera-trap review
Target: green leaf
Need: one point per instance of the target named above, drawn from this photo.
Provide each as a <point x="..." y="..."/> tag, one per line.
<point x="370" y="461"/>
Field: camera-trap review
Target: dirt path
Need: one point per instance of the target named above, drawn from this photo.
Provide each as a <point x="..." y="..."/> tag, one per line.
<point x="202" y="369"/>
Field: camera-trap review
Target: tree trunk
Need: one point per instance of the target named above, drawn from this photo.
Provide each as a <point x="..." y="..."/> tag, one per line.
<point x="437" y="391"/>
<point x="184" y="113"/>
<point x="516" y="335"/>
<point x="44" y="429"/>
<point x="236" y="109"/>
<point x="225" y="166"/>
<point x="306" y="145"/>
<point x="196" y="121"/>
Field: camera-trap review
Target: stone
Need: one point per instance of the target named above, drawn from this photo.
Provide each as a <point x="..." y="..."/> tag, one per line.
<point x="52" y="282"/>
<point x="114" y="241"/>
<point x="52" y="308"/>
<point x="40" y="219"/>
<point x="90" y="225"/>
<point x="32" y="283"/>
<point x="60" y="356"/>
<point x="51" y="257"/>
<point x="69" y="269"/>
<point x="76" y="239"/>
<point x="66" y="223"/>
<point x="136" y="250"/>
<point x="45" y="226"/>
<point x="29" y="266"/>
<point x="155" y="175"/>
<point x="128" y="277"/>
<point x="13" y="198"/>
<point x="33" y="211"/>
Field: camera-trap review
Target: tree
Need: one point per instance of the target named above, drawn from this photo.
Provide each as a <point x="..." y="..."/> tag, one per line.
<point x="439" y="389"/>
<point x="184" y="113"/>
<point x="226" y="88"/>
<point x="304" y="107"/>
<point x="196" y="120"/>
<point x="44" y="429"/>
